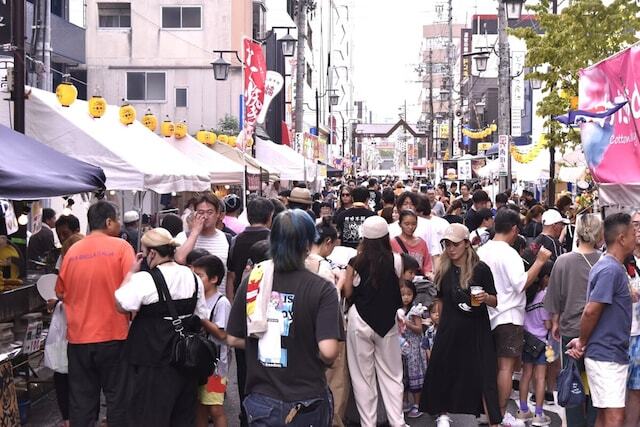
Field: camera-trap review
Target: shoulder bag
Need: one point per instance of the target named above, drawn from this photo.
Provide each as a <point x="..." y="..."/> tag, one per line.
<point x="192" y="353"/>
<point x="533" y="345"/>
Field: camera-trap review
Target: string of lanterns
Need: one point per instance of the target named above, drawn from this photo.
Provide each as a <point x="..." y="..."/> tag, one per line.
<point x="67" y="93"/>
<point x="529" y="156"/>
<point x="480" y="133"/>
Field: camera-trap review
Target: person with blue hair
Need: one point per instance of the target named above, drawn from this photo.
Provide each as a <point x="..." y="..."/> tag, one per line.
<point x="287" y="319"/>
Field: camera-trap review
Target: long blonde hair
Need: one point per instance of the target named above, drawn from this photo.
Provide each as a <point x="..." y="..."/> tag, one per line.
<point x="471" y="259"/>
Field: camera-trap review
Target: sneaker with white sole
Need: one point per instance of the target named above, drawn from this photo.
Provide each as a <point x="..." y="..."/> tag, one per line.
<point x="541" y="420"/>
<point x="414" y="412"/>
<point x="483" y="420"/>
<point x="510" y="421"/>
<point x="524" y="415"/>
<point x="443" y="421"/>
<point x="406" y="407"/>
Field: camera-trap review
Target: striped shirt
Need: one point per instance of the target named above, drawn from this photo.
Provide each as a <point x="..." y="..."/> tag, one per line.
<point x="217" y="245"/>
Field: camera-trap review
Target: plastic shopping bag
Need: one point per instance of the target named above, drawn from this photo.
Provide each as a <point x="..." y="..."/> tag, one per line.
<point x="570" y="387"/>
<point x="55" y="348"/>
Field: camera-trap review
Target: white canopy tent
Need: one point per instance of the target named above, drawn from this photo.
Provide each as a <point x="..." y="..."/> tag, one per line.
<point x="221" y="170"/>
<point x="253" y="165"/>
<point x="290" y="164"/>
<point x="132" y="157"/>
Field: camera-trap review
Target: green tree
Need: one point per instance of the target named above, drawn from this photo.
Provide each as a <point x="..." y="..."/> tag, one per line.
<point x="584" y="33"/>
<point x="228" y="126"/>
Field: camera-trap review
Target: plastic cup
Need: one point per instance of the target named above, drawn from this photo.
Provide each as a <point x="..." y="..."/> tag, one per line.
<point x="475" y="290"/>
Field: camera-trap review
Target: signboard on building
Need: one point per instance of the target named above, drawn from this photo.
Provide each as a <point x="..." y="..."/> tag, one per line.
<point x="484" y="146"/>
<point x="465" y="62"/>
<point x="503" y="155"/>
<point x="517" y="93"/>
<point x="464" y="170"/>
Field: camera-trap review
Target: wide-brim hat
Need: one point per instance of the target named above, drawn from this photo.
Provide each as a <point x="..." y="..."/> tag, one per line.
<point x="300" y="195"/>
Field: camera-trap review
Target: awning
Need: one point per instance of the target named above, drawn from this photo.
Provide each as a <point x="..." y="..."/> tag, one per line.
<point x="31" y="170"/>
<point x="132" y="157"/>
<point x="332" y="172"/>
<point x="253" y="166"/>
<point x="221" y="170"/>
<point x="290" y="164"/>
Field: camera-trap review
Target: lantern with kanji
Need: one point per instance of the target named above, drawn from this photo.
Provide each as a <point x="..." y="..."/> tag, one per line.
<point x="150" y="121"/>
<point x="66" y="92"/>
<point x="180" y="130"/>
<point x="127" y="114"/>
<point x="97" y="106"/>
<point x="167" y="128"/>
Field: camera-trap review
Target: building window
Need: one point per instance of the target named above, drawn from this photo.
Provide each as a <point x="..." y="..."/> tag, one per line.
<point x="309" y="36"/>
<point x="259" y="23"/>
<point x="143" y="86"/>
<point x="185" y="17"/>
<point x="309" y="76"/>
<point x="114" y="15"/>
<point x="181" y="97"/>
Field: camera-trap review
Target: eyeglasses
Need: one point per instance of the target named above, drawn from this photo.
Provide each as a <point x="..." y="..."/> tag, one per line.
<point x="206" y="213"/>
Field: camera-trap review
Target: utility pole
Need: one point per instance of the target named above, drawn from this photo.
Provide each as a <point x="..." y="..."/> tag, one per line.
<point x="551" y="188"/>
<point x="17" y="21"/>
<point x="504" y="92"/>
<point x="433" y="148"/>
<point x="301" y="23"/>
<point x="450" y="78"/>
<point x="43" y="47"/>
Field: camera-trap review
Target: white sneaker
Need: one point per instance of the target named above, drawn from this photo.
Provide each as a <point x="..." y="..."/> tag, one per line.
<point x="443" y="421"/>
<point x="541" y="420"/>
<point x="510" y="421"/>
<point x="483" y="420"/>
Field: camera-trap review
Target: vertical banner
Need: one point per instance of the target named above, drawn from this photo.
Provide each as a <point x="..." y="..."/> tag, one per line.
<point x="255" y="72"/>
<point x="503" y="155"/>
<point x="272" y="87"/>
<point x="464" y="170"/>
<point x="517" y="93"/>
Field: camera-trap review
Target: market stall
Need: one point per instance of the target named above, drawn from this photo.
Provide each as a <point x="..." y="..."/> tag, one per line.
<point x="289" y="163"/>
<point x="132" y="157"/>
<point x="254" y="167"/>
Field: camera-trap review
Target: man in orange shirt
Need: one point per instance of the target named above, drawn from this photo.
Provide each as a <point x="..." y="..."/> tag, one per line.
<point x="91" y="272"/>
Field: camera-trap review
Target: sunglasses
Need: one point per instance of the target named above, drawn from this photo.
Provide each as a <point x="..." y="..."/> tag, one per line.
<point x="346" y="195"/>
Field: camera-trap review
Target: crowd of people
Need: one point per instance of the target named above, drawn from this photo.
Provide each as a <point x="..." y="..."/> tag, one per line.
<point x="315" y="296"/>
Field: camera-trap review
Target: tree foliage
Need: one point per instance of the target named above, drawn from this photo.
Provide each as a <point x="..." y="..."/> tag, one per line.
<point x="228" y="126"/>
<point x="584" y="33"/>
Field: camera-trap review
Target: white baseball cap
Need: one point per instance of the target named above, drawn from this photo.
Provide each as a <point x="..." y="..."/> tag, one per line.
<point x="552" y="216"/>
<point x="131" y="216"/>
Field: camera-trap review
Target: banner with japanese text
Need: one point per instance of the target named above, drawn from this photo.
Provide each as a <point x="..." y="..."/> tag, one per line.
<point x="611" y="145"/>
<point x="255" y="73"/>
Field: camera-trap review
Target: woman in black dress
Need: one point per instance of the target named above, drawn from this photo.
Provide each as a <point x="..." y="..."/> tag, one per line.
<point x="461" y="374"/>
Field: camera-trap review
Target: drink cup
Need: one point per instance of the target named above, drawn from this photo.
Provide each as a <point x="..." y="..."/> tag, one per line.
<point x="475" y="290"/>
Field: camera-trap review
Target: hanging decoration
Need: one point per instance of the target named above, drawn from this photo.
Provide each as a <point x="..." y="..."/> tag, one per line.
<point x="249" y="142"/>
<point x="66" y="92"/>
<point x="127" y="114"/>
<point x="150" y="121"/>
<point x="530" y="155"/>
<point x="201" y="135"/>
<point x="97" y="106"/>
<point x="223" y="139"/>
<point x="180" y="130"/>
<point x="167" y="128"/>
<point x="233" y="141"/>
<point x="479" y="133"/>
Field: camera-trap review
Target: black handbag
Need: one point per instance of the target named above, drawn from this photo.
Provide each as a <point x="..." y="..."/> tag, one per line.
<point x="192" y="352"/>
<point x="532" y="345"/>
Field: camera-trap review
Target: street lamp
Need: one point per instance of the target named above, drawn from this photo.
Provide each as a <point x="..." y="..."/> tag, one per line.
<point x="334" y="98"/>
<point x="288" y="44"/>
<point x="535" y="84"/>
<point x="221" y="67"/>
<point x="482" y="60"/>
<point x="514" y="8"/>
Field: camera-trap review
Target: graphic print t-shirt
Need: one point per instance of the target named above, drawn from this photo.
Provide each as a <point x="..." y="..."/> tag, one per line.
<point x="349" y="223"/>
<point x="285" y="363"/>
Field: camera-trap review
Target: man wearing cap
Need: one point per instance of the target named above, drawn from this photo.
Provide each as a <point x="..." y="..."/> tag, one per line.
<point x="91" y="272"/>
<point x="233" y="209"/>
<point x="300" y="198"/>
<point x="552" y="225"/>
<point x="350" y="221"/>
<point x="130" y="232"/>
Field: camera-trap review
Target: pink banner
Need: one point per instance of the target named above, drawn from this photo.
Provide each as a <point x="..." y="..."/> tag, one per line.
<point x="611" y="145"/>
<point x="255" y="71"/>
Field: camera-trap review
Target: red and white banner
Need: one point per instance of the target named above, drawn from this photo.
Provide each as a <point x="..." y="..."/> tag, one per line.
<point x="255" y="72"/>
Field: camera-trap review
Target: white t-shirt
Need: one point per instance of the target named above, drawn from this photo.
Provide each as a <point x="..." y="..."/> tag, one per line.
<point x="217" y="245"/>
<point x="141" y="290"/>
<point x="438" y="227"/>
<point x="509" y="278"/>
<point x="220" y="318"/>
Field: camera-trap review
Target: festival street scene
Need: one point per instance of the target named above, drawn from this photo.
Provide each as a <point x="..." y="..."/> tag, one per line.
<point x="320" y="213"/>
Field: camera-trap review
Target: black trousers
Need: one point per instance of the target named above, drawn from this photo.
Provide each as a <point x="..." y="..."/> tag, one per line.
<point x="94" y="368"/>
<point x="61" y="384"/>
<point x="241" y="373"/>
<point x="161" y="397"/>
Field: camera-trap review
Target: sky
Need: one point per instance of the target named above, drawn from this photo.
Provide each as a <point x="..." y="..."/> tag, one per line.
<point x="387" y="39"/>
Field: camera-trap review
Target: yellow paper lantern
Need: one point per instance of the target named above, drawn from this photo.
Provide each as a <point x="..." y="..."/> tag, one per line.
<point x="97" y="106"/>
<point x="573" y="102"/>
<point x="211" y="138"/>
<point x="201" y="135"/>
<point x="150" y="121"/>
<point x="233" y="141"/>
<point x="66" y="93"/>
<point x="180" y="130"/>
<point x="249" y="142"/>
<point x="167" y="128"/>
<point x="223" y="138"/>
<point x="127" y="114"/>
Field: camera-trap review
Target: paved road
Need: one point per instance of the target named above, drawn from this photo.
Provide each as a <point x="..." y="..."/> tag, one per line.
<point x="44" y="413"/>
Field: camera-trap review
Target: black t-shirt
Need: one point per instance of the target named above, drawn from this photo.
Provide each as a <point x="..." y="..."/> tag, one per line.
<point x="348" y="224"/>
<point x="532" y="229"/>
<point x="454" y="219"/>
<point x="466" y="205"/>
<point x="473" y="219"/>
<point x="239" y="253"/>
<point x="375" y="200"/>
<point x="378" y="306"/>
<point x="553" y="245"/>
<point x="309" y="306"/>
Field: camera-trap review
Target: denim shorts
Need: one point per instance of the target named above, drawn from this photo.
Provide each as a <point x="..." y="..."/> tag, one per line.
<point x="540" y="360"/>
<point x="265" y="411"/>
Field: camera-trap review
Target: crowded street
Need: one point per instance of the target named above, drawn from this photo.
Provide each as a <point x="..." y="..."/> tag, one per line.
<point x="328" y="213"/>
